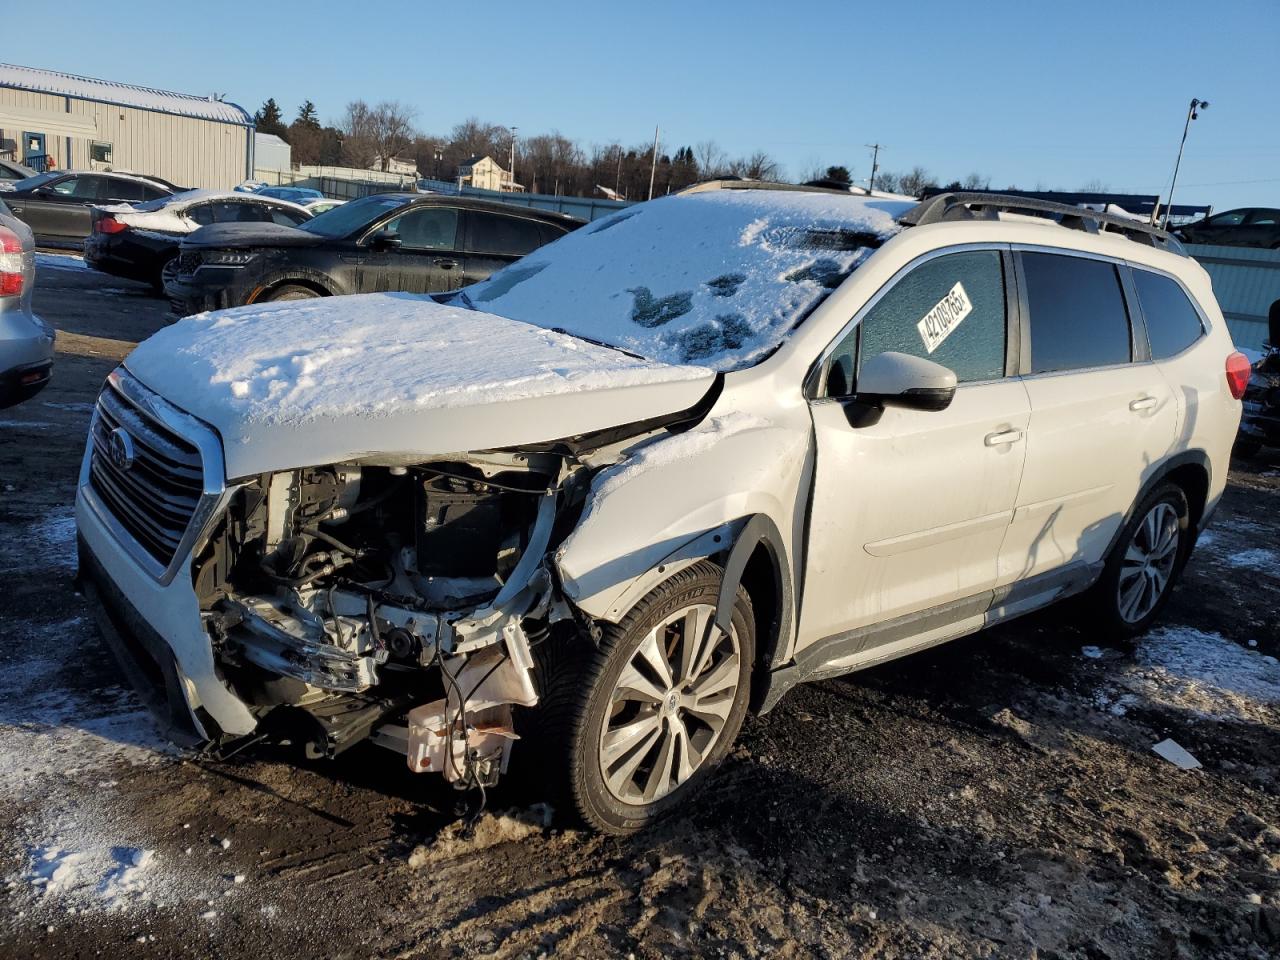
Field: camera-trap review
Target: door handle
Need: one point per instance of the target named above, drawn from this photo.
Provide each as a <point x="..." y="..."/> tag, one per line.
<point x="1002" y="438"/>
<point x="1143" y="403"/>
<point x="446" y="264"/>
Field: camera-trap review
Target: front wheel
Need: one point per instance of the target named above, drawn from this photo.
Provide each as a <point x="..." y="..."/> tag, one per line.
<point x="292" y="291"/>
<point x="1144" y="564"/>
<point x="637" y="728"/>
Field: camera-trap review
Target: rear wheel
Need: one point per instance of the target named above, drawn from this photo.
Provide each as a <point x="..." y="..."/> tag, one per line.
<point x="167" y="271"/>
<point x="1145" y="564"/>
<point x="292" y="291"/>
<point x="633" y="729"/>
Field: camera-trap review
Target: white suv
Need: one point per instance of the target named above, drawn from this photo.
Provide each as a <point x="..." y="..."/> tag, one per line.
<point x="651" y="476"/>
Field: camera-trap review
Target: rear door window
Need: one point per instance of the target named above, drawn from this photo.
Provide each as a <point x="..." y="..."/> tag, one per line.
<point x="1173" y="324"/>
<point x="501" y="236"/>
<point x="201" y="213"/>
<point x="950" y="310"/>
<point x="1077" y="311"/>
<point x="129" y="191"/>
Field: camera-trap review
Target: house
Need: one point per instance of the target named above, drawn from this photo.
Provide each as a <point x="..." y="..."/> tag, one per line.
<point x="72" y="122"/>
<point x="405" y="166"/>
<point x="483" y="173"/>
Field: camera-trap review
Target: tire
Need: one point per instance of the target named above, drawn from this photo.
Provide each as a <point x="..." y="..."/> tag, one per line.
<point x="292" y="291"/>
<point x="167" y="269"/>
<point x="1246" y="449"/>
<point x="586" y="703"/>
<point x="1140" y="574"/>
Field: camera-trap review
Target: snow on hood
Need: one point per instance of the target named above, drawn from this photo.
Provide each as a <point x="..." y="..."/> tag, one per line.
<point x="395" y="376"/>
<point x="718" y="278"/>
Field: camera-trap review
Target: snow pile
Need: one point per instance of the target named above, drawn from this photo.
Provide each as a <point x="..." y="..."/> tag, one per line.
<point x="365" y="356"/>
<point x="718" y="277"/>
<point x="1204" y="673"/>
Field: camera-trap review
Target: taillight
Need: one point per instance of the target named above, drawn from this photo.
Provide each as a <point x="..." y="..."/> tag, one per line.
<point x="1239" y="370"/>
<point x="12" y="279"/>
<point x="110" y="225"/>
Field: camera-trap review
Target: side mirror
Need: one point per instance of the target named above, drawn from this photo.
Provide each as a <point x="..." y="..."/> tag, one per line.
<point x="385" y="240"/>
<point x="893" y="379"/>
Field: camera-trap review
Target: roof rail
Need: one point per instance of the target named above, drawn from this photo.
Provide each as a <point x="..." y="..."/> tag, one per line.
<point x="722" y="184"/>
<point x="986" y="206"/>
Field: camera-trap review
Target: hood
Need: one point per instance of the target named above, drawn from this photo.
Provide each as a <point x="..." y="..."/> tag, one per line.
<point x="395" y="377"/>
<point x="236" y="236"/>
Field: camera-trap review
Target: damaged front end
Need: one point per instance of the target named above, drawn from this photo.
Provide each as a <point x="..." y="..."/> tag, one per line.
<point x="393" y="601"/>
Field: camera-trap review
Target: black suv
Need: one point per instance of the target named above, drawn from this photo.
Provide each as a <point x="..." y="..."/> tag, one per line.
<point x="390" y="242"/>
<point x="1247" y="227"/>
<point x="56" y="205"/>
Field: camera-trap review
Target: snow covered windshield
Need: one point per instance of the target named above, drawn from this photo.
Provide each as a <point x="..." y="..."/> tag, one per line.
<point x="715" y="278"/>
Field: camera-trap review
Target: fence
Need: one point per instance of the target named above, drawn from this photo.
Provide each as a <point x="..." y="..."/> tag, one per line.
<point x="584" y="208"/>
<point x="1246" y="281"/>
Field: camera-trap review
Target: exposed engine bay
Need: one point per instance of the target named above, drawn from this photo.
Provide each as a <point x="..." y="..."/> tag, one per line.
<point x="394" y="601"/>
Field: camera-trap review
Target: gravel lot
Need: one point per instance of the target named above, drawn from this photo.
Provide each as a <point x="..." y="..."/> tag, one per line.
<point x="994" y="797"/>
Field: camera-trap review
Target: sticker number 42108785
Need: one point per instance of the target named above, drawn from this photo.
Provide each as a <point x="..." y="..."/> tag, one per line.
<point x="944" y="317"/>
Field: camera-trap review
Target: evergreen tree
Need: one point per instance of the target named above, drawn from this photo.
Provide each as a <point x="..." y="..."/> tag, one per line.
<point x="268" y="120"/>
<point x="307" y="116"/>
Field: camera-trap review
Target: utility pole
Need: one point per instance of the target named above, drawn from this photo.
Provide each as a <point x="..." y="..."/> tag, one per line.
<point x="512" y="185"/>
<point x="875" y="165"/>
<point x="653" y="167"/>
<point x="1196" y="105"/>
<point x="617" y="183"/>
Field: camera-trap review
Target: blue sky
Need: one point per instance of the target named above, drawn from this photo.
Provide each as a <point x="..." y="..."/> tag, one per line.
<point x="1031" y="93"/>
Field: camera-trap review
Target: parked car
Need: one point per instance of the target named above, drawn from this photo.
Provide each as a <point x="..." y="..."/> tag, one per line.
<point x="653" y="475"/>
<point x="321" y="205"/>
<point x="408" y="242"/>
<point x="11" y="170"/>
<point x="1247" y="227"/>
<point x="139" y="242"/>
<point x="1260" y="422"/>
<point x="26" y="341"/>
<point x="56" y="205"/>
<point x="293" y="194"/>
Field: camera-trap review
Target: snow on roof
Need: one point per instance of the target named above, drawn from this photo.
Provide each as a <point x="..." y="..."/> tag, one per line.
<point x="270" y="138"/>
<point x="716" y="278"/>
<point x="122" y="94"/>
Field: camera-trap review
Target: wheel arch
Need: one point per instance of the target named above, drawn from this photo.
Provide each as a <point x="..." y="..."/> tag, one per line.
<point x="1192" y="471"/>
<point x="264" y="291"/>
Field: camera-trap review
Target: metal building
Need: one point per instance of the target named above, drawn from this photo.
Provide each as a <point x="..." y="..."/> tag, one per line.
<point x="79" y="123"/>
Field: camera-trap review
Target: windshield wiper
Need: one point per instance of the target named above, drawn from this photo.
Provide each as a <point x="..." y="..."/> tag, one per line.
<point x="599" y="343"/>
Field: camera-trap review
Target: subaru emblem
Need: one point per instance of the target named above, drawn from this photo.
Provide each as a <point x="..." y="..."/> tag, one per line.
<point x="120" y="449"/>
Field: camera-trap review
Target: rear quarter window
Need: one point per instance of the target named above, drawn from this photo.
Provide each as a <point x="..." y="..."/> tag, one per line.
<point x="1077" y="312"/>
<point x="1173" y="323"/>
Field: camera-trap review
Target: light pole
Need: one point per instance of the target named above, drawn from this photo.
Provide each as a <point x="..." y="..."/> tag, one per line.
<point x="1193" y="112"/>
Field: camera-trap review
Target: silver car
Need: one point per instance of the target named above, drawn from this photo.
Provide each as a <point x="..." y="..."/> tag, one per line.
<point x="26" y="341"/>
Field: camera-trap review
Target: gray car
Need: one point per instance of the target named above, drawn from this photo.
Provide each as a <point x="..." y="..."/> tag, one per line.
<point x="26" y="341"/>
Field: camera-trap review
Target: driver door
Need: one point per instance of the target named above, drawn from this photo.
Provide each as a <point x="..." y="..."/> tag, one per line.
<point x="909" y="513"/>
<point x="427" y="259"/>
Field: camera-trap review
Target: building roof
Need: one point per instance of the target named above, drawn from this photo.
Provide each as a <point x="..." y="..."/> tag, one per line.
<point x="473" y="160"/>
<point x="122" y="94"/>
<point x="260" y="138"/>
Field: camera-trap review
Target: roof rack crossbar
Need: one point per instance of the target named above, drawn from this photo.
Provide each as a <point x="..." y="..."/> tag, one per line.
<point x="985" y="206"/>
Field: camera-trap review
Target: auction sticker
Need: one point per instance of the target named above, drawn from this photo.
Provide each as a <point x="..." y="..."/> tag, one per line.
<point x="941" y="321"/>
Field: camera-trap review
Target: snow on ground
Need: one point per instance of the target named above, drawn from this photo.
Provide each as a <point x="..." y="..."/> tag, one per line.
<point x="60" y="261"/>
<point x="719" y="277"/>
<point x="1182" y="668"/>
<point x="1255" y="558"/>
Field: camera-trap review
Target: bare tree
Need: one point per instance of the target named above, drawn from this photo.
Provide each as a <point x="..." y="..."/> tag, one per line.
<point x="359" y="145"/>
<point x="1095" y="186"/>
<point x="976" y="181"/>
<point x="392" y="130"/>
<point x="758" y="166"/>
<point x="711" y="160"/>
<point x="916" y="182"/>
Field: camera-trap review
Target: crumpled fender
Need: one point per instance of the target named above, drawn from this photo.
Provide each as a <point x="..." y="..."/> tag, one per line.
<point x="680" y="499"/>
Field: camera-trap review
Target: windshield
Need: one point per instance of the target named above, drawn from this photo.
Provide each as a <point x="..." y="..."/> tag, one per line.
<point x="35" y="181"/>
<point x="347" y="219"/>
<point x="716" y="278"/>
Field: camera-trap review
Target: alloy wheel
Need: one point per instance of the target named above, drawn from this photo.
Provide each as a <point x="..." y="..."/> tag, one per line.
<point x="669" y="706"/>
<point x="1147" y="567"/>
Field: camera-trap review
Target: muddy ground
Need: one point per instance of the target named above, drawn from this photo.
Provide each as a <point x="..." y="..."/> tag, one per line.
<point x="995" y="797"/>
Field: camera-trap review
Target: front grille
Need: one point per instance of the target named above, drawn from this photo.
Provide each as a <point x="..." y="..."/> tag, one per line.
<point x="154" y="497"/>
<point x="187" y="262"/>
